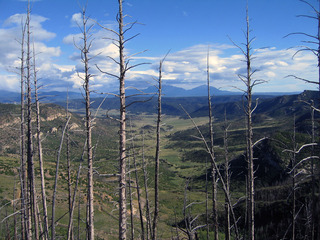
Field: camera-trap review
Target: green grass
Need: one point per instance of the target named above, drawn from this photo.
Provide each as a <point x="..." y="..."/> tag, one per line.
<point x="176" y="167"/>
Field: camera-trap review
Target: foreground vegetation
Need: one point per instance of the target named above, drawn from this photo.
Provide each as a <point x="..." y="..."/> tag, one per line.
<point x="184" y="162"/>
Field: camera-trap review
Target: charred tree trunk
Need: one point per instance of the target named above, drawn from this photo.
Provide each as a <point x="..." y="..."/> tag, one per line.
<point x="30" y="164"/>
<point x="157" y="155"/>
<point x="227" y="178"/>
<point x="145" y="179"/>
<point x="23" y="174"/>
<point x="53" y="221"/>
<point x="122" y="131"/>
<point x="85" y="59"/>
<point x="293" y="188"/>
<point x="70" y="235"/>
<point x="213" y="170"/>
<point x="130" y="199"/>
<point x="40" y="156"/>
<point x="137" y="186"/>
<point x="70" y="202"/>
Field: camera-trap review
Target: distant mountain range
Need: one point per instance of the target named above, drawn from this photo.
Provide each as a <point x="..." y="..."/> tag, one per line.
<point x="168" y="91"/>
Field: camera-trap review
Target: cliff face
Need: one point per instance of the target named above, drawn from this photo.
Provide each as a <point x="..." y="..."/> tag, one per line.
<point x="52" y="117"/>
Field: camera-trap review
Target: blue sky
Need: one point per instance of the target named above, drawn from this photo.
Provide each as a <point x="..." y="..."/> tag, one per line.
<point x="185" y="27"/>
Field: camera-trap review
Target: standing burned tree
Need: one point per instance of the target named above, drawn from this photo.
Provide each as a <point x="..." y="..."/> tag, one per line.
<point x="84" y="48"/>
<point x="312" y="44"/>
<point x="124" y="66"/>
<point x="22" y="171"/>
<point x="213" y="169"/>
<point x="31" y="193"/>
<point x="249" y="83"/>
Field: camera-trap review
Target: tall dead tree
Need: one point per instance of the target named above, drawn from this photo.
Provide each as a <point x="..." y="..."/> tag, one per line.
<point x="213" y="170"/>
<point x="227" y="178"/>
<point x="71" y="207"/>
<point x="249" y="108"/>
<point x="248" y="82"/>
<point x="223" y="185"/>
<point x="32" y="199"/>
<point x="85" y="29"/>
<point x="293" y="189"/>
<point x="145" y="181"/>
<point x="157" y="154"/>
<point x="124" y="66"/>
<point x="54" y="194"/>
<point x="133" y="150"/>
<point x="23" y="175"/>
<point x="40" y="156"/>
<point x="312" y="44"/>
<point x="122" y="131"/>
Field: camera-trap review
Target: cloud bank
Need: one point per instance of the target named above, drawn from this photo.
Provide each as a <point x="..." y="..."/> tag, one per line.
<point x="184" y="68"/>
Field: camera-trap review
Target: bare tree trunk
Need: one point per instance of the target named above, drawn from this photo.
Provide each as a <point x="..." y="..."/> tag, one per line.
<point x="122" y="132"/>
<point x="53" y="223"/>
<point x="145" y="178"/>
<point x="85" y="59"/>
<point x="130" y="199"/>
<point x="207" y="203"/>
<point x="213" y="170"/>
<point x="157" y="156"/>
<point x="237" y="236"/>
<point x="314" y="39"/>
<point x="30" y="164"/>
<point x="227" y="207"/>
<point x="14" y="207"/>
<point x="248" y="110"/>
<point x="293" y="163"/>
<point x="43" y="188"/>
<point x="70" y="202"/>
<point x="124" y="66"/>
<point x="23" y="174"/>
<point x="79" y="214"/>
<point x="70" y="235"/>
<point x="137" y="186"/>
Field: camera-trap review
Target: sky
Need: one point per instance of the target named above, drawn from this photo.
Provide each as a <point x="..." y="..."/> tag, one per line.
<point x="184" y="28"/>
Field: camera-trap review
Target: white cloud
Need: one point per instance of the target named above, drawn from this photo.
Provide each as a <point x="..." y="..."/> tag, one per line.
<point x="184" y="68"/>
<point x="10" y="50"/>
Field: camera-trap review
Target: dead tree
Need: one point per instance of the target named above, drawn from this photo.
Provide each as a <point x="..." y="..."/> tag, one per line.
<point x="294" y="185"/>
<point x="54" y="195"/>
<point x="70" y="204"/>
<point x="122" y="131"/>
<point x="135" y="169"/>
<point x="157" y="155"/>
<point x="23" y="174"/>
<point x="249" y="83"/>
<point x="124" y="66"/>
<point x="213" y="170"/>
<point x="223" y="185"/>
<point x="40" y="156"/>
<point x="312" y="44"/>
<point x="130" y="199"/>
<point x="190" y="222"/>
<point x="294" y="173"/>
<point x="70" y="236"/>
<point x="85" y="49"/>
<point x="207" y="203"/>
<point x="145" y="180"/>
<point x="227" y="179"/>
<point x="32" y="199"/>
